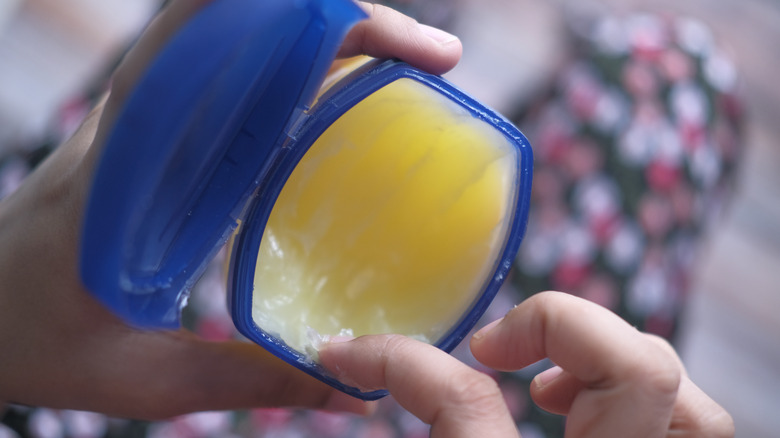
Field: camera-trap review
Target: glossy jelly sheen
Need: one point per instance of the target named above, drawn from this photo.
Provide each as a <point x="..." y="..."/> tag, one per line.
<point x="391" y="223"/>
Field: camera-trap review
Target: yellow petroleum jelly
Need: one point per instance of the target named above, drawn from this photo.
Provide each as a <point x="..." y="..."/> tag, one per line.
<point x="391" y="223"/>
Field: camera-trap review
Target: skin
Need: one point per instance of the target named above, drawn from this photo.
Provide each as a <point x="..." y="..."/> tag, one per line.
<point x="610" y="379"/>
<point x="62" y="349"/>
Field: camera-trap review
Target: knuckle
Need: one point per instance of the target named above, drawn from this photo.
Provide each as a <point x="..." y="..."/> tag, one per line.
<point x="373" y="10"/>
<point x="396" y="344"/>
<point x="659" y="371"/>
<point x="667" y="348"/>
<point x="473" y="388"/>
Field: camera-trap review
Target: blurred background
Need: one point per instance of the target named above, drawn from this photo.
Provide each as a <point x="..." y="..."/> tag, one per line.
<point x="52" y="53"/>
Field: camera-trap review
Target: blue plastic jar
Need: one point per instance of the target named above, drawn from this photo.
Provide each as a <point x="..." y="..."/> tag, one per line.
<point x="207" y="141"/>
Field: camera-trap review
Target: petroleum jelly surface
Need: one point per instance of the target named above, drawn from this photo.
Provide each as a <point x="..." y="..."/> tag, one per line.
<point x="391" y="223"/>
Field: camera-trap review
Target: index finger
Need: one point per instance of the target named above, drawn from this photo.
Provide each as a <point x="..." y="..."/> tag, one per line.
<point x="629" y="382"/>
<point x="455" y="399"/>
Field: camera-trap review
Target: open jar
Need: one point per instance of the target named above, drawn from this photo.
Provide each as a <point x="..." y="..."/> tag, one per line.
<point x="386" y="201"/>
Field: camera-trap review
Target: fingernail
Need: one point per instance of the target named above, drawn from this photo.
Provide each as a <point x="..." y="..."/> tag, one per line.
<point x="437" y="34"/>
<point x="481" y="333"/>
<point x="545" y="377"/>
<point x="319" y="342"/>
<point x="338" y="339"/>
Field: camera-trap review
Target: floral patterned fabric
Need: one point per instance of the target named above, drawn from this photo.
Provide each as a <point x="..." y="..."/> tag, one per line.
<point x="635" y="147"/>
<point x="634" y="152"/>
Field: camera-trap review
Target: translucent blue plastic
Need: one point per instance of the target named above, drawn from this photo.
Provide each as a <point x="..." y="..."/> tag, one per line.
<point x="193" y="142"/>
<point x="208" y="138"/>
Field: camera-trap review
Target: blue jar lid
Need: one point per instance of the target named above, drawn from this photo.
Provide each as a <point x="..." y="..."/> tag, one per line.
<point x="194" y="141"/>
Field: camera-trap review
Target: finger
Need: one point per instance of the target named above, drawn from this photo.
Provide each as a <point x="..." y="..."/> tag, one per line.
<point x="456" y="400"/>
<point x="556" y="389"/>
<point x="696" y="414"/>
<point x="629" y="382"/>
<point x="667" y="347"/>
<point x="390" y="34"/>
